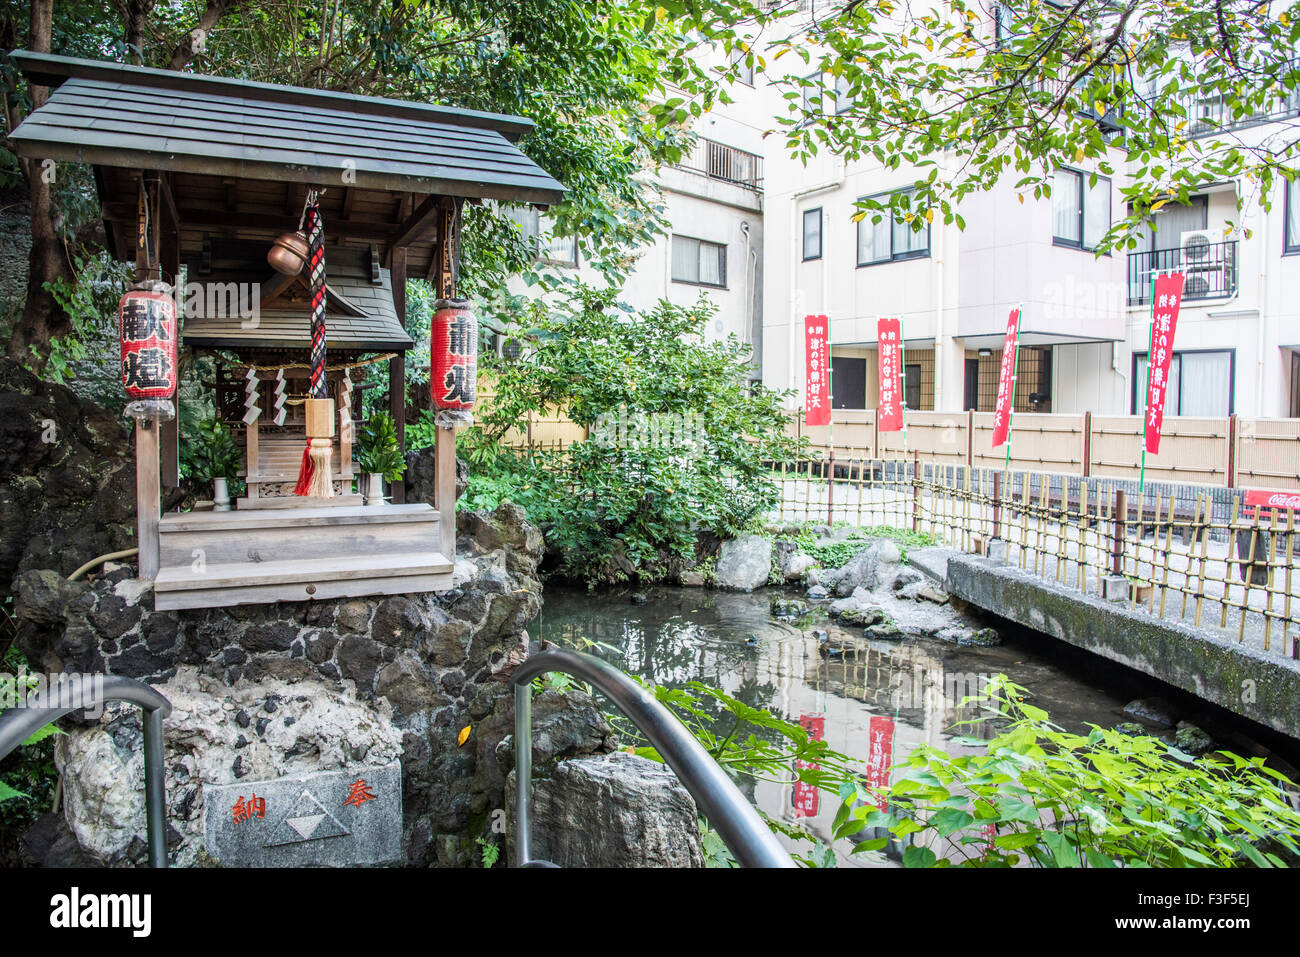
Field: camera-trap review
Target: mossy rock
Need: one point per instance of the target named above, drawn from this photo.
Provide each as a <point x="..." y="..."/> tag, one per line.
<point x="885" y="630"/>
<point x="864" y="617"/>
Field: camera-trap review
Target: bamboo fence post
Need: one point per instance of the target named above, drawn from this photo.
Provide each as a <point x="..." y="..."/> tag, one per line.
<point x="1227" y="564"/>
<point x="1268" y="588"/>
<point x="1191" y="550"/>
<point x="1286" y="602"/>
<point x="1024" y="517"/>
<point x="1040" y="538"/>
<point x="1249" y="576"/>
<point x="1081" y="555"/>
<point x="1204" y="532"/>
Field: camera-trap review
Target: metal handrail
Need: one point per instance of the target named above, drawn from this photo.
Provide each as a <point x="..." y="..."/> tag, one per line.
<point x="743" y="831"/>
<point x="19" y="724"/>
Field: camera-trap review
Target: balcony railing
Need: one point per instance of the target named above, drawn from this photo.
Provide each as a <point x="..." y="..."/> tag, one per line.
<point x="1210" y="268"/>
<point x="1213" y="113"/>
<point x="717" y="161"/>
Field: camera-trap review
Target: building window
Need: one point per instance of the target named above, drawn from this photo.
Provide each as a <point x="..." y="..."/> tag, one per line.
<point x="1033" y="379"/>
<point x="1003" y="25"/>
<point x="561" y="250"/>
<point x="843" y="95"/>
<point x="1200" y="384"/>
<point x="1080" y="209"/>
<point x="1293" y="215"/>
<point x="539" y="233"/>
<point x="848" y="382"/>
<point x="744" y="64"/>
<point x="700" y="262"/>
<point x="812" y="234"/>
<point x="889" y="240"/>
<point x="812" y="97"/>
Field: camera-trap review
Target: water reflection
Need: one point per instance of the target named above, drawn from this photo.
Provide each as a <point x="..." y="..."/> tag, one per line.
<point x="907" y="692"/>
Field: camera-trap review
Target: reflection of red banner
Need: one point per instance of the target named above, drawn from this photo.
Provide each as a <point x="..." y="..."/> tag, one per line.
<point x="889" y="409"/>
<point x="1006" y="380"/>
<point x="880" y="755"/>
<point x="806" y="799"/>
<point x="1167" y="296"/>
<point x="817" y="351"/>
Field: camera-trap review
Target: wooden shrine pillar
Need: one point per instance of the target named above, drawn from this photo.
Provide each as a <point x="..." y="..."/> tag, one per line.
<point x="170" y="259"/>
<point x="397" y="365"/>
<point x="447" y="268"/>
<point x="148" y="492"/>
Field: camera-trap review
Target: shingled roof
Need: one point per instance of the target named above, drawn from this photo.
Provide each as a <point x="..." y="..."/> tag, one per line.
<point x="359" y="317"/>
<point x="111" y="114"/>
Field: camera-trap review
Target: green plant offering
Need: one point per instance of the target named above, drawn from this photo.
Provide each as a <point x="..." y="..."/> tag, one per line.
<point x="377" y="448"/>
<point x="208" y="450"/>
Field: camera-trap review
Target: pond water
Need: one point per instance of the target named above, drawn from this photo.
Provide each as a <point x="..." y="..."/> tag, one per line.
<point x="731" y="641"/>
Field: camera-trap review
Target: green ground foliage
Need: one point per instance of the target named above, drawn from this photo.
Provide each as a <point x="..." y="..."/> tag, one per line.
<point x="1034" y="794"/>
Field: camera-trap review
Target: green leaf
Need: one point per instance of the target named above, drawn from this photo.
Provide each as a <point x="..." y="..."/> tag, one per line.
<point x="916" y="856"/>
<point x="950" y="820"/>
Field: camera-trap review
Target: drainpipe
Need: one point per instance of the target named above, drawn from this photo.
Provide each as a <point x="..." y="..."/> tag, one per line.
<point x="1259" y="323"/>
<point x="939" y="344"/>
<point x="747" y="321"/>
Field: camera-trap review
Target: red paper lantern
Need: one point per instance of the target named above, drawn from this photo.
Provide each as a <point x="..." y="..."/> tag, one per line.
<point x="147" y="325"/>
<point x="453" y="361"/>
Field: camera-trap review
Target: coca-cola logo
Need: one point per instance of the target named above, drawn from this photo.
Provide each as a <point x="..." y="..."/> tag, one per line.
<point x="1287" y="500"/>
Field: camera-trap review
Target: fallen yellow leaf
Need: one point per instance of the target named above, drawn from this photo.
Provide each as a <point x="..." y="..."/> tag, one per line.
<point x="463" y="736"/>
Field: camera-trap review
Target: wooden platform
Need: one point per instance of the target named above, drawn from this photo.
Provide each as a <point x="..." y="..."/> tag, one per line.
<point x="214" y="559"/>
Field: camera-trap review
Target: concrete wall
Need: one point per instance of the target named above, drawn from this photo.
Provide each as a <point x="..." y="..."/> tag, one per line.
<point x="1264" y="688"/>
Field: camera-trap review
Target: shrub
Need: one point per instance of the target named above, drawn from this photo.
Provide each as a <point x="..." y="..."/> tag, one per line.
<point x="679" y="440"/>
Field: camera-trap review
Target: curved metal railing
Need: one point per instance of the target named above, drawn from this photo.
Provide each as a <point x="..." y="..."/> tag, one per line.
<point x="77" y="692"/>
<point x="716" y="795"/>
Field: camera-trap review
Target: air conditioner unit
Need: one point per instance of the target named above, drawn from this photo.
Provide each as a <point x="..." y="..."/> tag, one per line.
<point x="1201" y="259"/>
<point x="1195" y="246"/>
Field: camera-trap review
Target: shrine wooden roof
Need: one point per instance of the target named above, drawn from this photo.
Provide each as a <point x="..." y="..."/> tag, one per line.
<point x="360" y="315"/>
<point x="111" y="114"/>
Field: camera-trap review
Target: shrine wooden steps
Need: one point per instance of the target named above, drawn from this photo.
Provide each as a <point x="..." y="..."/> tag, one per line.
<point x="213" y="559"/>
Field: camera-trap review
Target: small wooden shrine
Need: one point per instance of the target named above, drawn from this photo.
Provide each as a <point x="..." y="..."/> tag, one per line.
<point x="198" y="177"/>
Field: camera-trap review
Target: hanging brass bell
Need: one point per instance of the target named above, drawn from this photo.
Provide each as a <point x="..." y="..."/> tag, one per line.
<point x="288" y="254"/>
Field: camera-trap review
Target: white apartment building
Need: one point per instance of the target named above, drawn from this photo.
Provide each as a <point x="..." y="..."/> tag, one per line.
<point x="770" y="240"/>
<point x="1086" y="319"/>
<point x="714" y="203"/>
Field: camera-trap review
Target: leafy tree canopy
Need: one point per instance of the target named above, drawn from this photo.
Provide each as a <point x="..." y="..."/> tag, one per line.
<point x="582" y="72"/>
<point x="941" y="89"/>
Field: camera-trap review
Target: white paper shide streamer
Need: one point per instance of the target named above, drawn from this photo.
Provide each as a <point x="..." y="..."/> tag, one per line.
<point x="251" y="409"/>
<point x="280" y="397"/>
<point x="345" y="406"/>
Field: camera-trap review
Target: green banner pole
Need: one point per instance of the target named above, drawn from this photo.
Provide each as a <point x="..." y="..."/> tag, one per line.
<point x="902" y="379"/>
<point x="830" y="385"/>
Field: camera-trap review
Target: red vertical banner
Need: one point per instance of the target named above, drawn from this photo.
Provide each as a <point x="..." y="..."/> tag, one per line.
<point x="889" y="342"/>
<point x="817" y="377"/>
<point x="880" y="756"/>
<point x="806" y="799"/>
<point x="1007" y="380"/>
<point x="1167" y="297"/>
